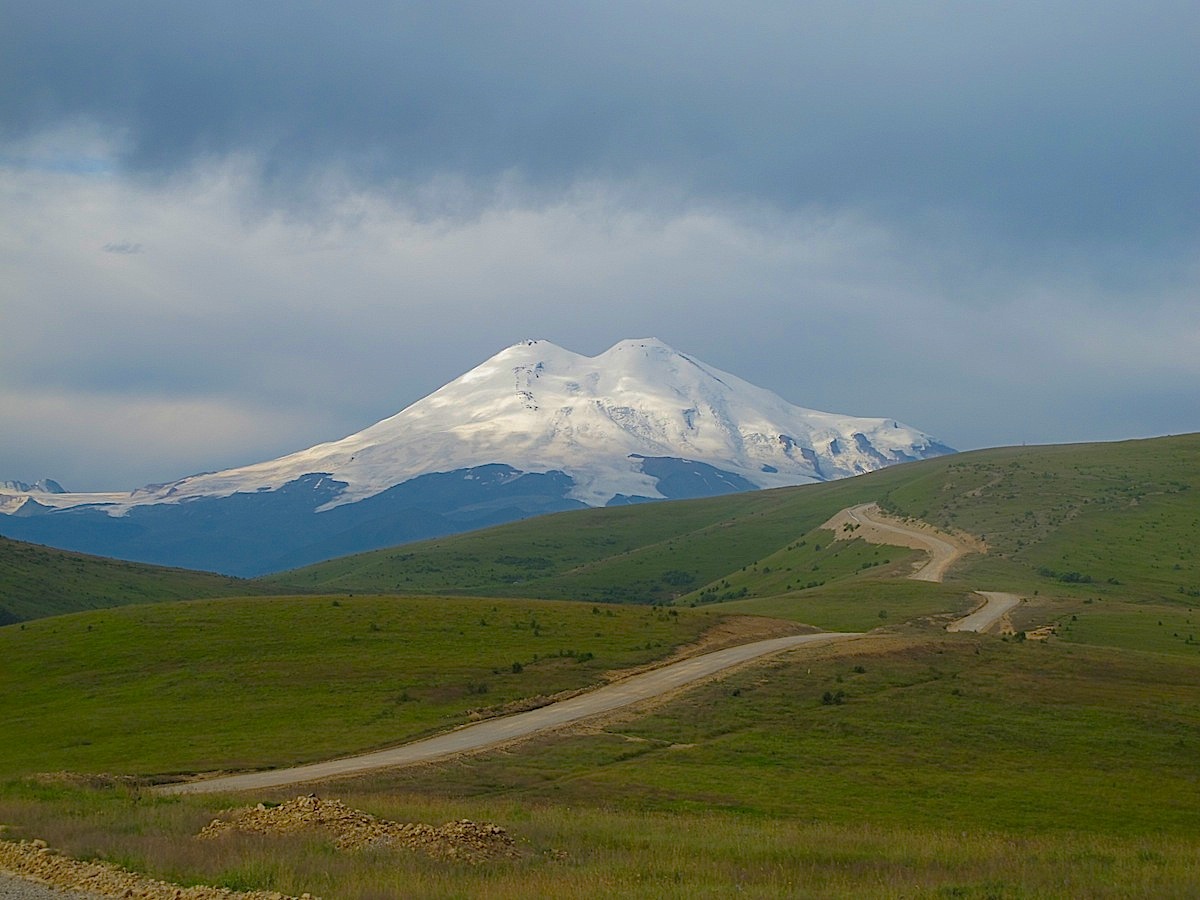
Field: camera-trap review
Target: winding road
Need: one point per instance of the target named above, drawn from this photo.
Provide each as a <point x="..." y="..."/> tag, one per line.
<point x="868" y="524"/>
<point x="871" y="525"/>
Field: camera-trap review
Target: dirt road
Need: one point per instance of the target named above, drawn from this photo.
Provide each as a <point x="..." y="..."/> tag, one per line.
<point x="869" y="524"/>
<point x="493" y="732"/>
<point x="995" y="606"/>
<point x="944" y="550"/>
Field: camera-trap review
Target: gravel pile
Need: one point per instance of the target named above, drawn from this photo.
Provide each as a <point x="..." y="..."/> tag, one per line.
<point x="34" y="860"/>
<point x="352" y="829"/>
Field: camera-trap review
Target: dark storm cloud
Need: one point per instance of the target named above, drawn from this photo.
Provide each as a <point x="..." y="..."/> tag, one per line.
<point x="1069" y="122"/>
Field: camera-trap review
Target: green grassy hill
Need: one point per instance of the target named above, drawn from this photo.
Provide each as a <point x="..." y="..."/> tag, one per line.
<point x="913" y="762"/>
<point x="1119" y="519"/>
<point x="640" y="554"/>
<point x="1084" y="515"/>
<point x="37" y="581"/>
<point x="260" y="682"/>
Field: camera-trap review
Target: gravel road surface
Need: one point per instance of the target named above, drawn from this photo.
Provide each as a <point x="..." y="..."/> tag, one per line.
<point x="995" y="606"/>
<point x="873" y="527"/>
<point x="14" y="888"/>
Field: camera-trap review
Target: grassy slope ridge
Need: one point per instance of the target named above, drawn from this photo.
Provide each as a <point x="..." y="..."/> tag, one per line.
<point x="1076" y="517"/>
<point x="37" y="581"/>
<point x="645" y="553"/>
<point x="1056" y="518"/>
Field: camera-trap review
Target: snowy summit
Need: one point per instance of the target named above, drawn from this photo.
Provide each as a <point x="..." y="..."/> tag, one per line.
<point x="539" y="408"/>
<point x="536" y="428"/>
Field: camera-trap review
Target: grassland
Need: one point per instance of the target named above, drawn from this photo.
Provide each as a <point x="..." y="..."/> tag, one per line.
<point x="956" y="733"/>
<point x="1119" y="520"/>
<point x="587" y="851"/>
<point x="257" y="683"/>
<point x="912" y="763"/>
<point x="862" y="604"/>
<point x="957" y="766"/>
<point x="38" y="581"/>
<point x="640" y="554"/>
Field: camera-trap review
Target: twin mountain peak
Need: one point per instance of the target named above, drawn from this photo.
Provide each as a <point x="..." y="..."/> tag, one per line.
<point x="534" y="429"/>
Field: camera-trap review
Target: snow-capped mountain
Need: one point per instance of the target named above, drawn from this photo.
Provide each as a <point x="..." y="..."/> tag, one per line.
<point x="532" y="429"/>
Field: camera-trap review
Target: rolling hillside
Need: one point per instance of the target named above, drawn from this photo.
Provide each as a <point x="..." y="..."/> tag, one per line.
<point x="1115" y="519"/>
<point x="38" y="581"/>
<point x="915" y="762"/>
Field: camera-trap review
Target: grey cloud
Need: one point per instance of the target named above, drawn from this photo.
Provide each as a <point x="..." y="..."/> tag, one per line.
<point x="1045" y="121"/>
<point x="978" y="218"/>
<point x="317" y="332"/>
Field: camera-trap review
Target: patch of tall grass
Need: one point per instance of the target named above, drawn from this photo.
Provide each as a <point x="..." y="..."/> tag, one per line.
<point x="590" y="851"/>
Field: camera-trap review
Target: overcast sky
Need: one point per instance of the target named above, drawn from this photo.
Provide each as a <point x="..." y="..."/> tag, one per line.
<point x="233" y="230"/>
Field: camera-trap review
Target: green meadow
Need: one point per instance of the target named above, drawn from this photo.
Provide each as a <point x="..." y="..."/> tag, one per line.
<point x="1059" y="761"/>
<point x="956" y="766"/>
<point x="265" y="682"/>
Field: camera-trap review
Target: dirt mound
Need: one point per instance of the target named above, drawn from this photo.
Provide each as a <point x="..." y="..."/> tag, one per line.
<point x="352" y="829"/>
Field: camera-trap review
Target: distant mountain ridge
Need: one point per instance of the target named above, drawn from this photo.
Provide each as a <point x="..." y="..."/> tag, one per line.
<point x="43" y="486"/>
<point x="534" y="429"/>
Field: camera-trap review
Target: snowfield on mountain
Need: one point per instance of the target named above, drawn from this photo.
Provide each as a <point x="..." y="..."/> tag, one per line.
<point x="539" y="408"/>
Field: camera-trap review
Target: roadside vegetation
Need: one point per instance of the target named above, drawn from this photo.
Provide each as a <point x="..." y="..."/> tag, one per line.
<point x="863" y="604"/>
<point x="595" y="850"/>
